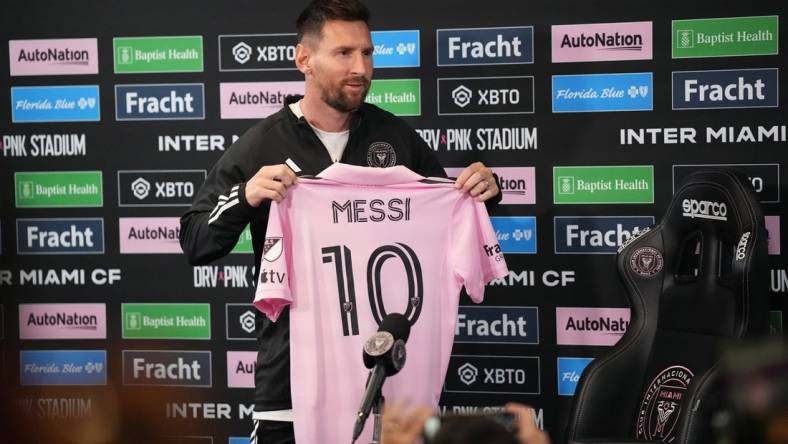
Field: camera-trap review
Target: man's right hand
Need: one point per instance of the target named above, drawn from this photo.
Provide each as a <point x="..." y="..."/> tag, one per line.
<point x="270" y="182"/>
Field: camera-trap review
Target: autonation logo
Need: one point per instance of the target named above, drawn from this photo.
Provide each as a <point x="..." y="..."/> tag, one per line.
<point x="599" y="42"/>
<point x="590" y="326"/>
<point x="46" y="57"/>
<point x="139" y="235"/>
<point x="62" y="321"/>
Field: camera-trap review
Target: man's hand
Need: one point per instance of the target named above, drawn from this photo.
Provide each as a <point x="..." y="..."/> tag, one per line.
<point x="477" y="180"/>
<point x="270" y="182"/>
<point x="402" y="424"/>
<point x="527" y="431"/>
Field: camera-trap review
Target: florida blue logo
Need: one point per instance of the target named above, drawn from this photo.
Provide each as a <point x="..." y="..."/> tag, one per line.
<point x="569" y="371"/>
<point x="516" y="234"/>
<point x="396" y="49"/>
<point x="78" y="103"/>
<point x="603" y="92"/>
<point x="63" y="367"/>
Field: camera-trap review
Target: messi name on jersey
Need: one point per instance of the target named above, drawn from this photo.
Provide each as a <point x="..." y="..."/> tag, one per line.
<point x="374" y="210"/>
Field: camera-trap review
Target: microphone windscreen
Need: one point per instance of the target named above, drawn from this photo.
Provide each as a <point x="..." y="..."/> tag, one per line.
<point x="396" y="324"/>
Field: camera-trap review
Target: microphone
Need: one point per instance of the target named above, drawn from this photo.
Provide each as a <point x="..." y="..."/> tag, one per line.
<point x="384" y="353"/>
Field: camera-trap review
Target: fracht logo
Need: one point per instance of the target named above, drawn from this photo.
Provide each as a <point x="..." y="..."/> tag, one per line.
<point x="486" y="46"/>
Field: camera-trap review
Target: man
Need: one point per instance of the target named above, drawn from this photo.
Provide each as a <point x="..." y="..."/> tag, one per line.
<point x="330" y="123"/>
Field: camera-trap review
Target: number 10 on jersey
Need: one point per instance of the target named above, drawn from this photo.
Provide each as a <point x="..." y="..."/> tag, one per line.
<point x="342" y="258"/>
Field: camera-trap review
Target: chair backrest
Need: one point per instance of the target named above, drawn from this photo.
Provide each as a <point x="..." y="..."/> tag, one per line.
<point x="697" y="277"/>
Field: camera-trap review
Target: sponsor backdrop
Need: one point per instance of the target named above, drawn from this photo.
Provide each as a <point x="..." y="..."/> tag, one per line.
<point x="590" y="116"/>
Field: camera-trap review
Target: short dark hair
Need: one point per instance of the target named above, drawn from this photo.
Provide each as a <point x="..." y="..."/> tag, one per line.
<point x="318" y="12"/>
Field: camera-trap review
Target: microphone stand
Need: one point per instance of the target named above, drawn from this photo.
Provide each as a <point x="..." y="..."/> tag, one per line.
<point x="377" y="412"/>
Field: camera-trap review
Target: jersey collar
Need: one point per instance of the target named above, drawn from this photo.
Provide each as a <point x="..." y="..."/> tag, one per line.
<point x="358" y="175"/>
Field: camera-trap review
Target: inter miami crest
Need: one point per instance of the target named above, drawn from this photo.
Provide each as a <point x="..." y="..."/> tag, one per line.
<point x="647" y="262"/>
<point x="661" y="405"/>
<point x="272" y="248"/>
<point x="381" y="155"/>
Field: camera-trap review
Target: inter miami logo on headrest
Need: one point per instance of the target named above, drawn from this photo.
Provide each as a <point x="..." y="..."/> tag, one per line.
<point x="661" y="405"/>
<point x="272" y="248"/>
<point x="647" y="262"/>
<point x="381" y="155"/>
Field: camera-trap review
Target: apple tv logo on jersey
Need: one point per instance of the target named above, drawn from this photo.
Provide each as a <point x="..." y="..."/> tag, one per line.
<point x="272" y="276"/>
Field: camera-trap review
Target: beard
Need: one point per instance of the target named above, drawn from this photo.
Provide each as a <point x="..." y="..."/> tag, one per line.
<point x="340" y="100"/>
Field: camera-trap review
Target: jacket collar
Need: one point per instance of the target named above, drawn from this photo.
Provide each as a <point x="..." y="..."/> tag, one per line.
<point x="358" y="175"/>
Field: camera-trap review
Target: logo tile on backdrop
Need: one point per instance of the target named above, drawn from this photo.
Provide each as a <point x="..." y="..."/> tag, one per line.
<point x="569" y="371"/>
<point x="599" y="42"/>
<point x="60" y="236"/>
<point x="41" y="104"/>
<point x="486" y="46"/>
<point x="583" y="93"/>
<point x="176" y="101"/>
<point x="46" y="57"/>
<point x="257" y="52"/>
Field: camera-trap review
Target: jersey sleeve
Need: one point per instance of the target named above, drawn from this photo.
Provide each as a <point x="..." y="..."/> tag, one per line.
<point x="273" y="283"/>
<point x="475" y="253"/>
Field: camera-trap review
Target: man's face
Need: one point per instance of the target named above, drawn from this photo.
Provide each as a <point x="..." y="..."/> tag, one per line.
<point x="342" y="64"/>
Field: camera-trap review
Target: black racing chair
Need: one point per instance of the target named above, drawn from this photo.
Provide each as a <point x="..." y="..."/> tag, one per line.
<point x="697" y="278"/>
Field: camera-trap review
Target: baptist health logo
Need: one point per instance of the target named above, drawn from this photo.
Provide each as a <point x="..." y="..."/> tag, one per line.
<point x="468" y="373"/>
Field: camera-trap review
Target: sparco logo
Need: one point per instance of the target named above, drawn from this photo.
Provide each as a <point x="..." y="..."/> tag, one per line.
<point x="704" y="209"/>
<point x="257" y="52"/>
<point x="486" y="95"/>
<point x="158" y="188"/>
<point x="661" y="405"/>
<point x="741" y="249"/>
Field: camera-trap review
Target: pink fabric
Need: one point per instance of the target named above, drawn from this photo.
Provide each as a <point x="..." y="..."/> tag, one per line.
<point x="441" y="236"/>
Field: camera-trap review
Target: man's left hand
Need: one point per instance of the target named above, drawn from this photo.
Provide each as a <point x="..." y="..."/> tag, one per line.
<point x="477" y="180"/>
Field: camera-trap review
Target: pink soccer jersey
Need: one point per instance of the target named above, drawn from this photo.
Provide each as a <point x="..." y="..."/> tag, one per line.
<point x="347" y="248"/>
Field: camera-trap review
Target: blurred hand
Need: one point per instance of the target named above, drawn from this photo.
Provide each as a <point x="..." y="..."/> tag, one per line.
<point x="270" y="182"/>
<point x="527" y="431"/>
<point x="402" y="424"/>
<point x="477" y="180"/>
